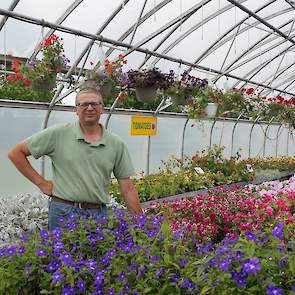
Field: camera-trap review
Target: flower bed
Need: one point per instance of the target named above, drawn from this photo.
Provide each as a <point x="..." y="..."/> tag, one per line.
<point x="228" y="213"/>
<point x="141" y="255"/>
<point x="182" y="176"/>
<point x="227" y="242"/>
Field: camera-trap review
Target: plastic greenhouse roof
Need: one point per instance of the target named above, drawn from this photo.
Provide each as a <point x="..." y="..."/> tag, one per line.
<point x="229" y="42"/>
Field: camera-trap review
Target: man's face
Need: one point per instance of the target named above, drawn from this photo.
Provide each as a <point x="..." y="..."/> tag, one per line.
<point x="89" y="107"/>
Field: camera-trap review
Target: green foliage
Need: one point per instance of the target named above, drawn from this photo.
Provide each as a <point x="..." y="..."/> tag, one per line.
<point x="179" y="176"/>
<point x="200" y="100"/>
<point x="133" y="103"/>
<point x="142" y="255"/>
<point x="17" y="91"/>
<point x="280" y="163"/>
<point x="231" y="103"/>
<point x="52" y="62"/>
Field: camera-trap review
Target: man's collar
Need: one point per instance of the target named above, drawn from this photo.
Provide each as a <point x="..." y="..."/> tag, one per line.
<point x="80" y="135"/>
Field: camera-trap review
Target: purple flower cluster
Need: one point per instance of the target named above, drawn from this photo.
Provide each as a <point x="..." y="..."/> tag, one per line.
<point x="127" y="254"/>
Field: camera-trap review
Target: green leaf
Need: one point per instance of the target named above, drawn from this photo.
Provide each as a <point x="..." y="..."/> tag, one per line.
<point x="166" y="229"/>
<point x="292" y="265"/>
<point x="204" y="290"/>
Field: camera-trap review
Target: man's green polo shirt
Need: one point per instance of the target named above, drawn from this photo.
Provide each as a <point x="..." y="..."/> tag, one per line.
<point x="81" y="170"/>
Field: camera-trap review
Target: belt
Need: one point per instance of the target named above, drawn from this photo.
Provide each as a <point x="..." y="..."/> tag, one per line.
<point x="81" y="205"/>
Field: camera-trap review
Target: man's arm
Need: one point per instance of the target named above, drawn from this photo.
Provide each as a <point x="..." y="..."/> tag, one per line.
<point x="18" y="156"/>
<point x="130" y="195"/>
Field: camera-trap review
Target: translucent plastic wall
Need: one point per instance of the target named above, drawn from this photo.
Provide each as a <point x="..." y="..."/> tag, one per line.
<point x="264" y="140"/>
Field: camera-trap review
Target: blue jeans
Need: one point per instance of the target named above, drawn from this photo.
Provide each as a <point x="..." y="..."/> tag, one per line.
<point x="57" y="212"/>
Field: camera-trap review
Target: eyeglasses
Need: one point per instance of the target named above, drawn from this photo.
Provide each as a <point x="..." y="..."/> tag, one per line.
<point x="85" y="105"/>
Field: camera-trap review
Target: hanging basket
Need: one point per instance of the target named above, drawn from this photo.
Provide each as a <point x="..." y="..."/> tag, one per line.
<point x="44" y="85"/>
<point x="178" y="99"/>
<point x="106" y="89"/>
<point x="89" y="83"/>
<point x="211" y="110"/>
<point x="146" y="94"/>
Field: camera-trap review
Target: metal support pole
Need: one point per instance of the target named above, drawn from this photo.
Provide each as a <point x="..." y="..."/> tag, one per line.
<point x="148" y="156"/>
<point x="288" y="139"/>
<point x="111" y="111"/>
<point x="183" y="136"/>
<point x="250" y="136"/>
<point x="233" y="132"/>
<point x="211" y="131"/>
<point x="265" y="135"/>
<point x="277" y="139"/>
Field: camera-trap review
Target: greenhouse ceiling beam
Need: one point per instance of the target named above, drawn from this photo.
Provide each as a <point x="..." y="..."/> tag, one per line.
<point x="188" y="32"/>
<point x="213" y="47"/>
<point x="252" y="48"/>
<point x="88" y="47"/>
<point x="283" y="82"/>
<point x="261" y="29"/>
<point x="257" y="69"/>
<point x="283" y="70"/>
<point x="257" y="55"/>
<point x="176" y="20"/>
<point x="254" y="15"/>
<point x="292" y="81"/>
<point x="291" y="3"/>
<point x="142" y="20"/>
<point x="261" y="67"/>
<point x="60" y="20"/>
<point x="230" y="47"/>
<point x="291" y="78"/>
<point x="11" y="8"/>
<point x="217" y="43"/>
<point x="137" y="23"/>
<point x="282" y="58"/>
<point x="118" y="43"/>
<point x="173" y="30"/>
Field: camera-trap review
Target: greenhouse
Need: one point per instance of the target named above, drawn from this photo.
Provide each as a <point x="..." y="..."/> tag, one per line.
<point x="147" y="147"/>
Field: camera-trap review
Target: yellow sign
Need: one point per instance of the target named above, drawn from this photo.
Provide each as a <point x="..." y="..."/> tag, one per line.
<point x="143" y="125"/>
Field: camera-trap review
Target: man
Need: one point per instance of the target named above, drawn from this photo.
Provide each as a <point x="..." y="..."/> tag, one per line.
<point x="83" y="155"/>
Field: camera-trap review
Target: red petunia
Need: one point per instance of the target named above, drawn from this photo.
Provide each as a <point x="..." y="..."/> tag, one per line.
<point x="27" y="82"/>
<point x="10" y="78"/>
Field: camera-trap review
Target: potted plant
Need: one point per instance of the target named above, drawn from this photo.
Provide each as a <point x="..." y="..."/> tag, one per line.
<point x="231" y="103"/>
<point x="105" y="78"/>
<point x="204" y="103"/>
<point x="183" y="90"/>
<point x="146" y="82"/>
<point x="17" y="87"/>
<point x="42" y="73"/>
<point x="282" y="109"/>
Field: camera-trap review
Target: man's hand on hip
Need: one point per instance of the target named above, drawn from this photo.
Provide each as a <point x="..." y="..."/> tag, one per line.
<point x="46" y="187"/>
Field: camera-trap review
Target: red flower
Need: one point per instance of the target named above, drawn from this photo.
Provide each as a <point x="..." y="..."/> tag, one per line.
<point x="47" y="42"/>
<point x="26" y="82"/>
<point x="10" y="78"/>
<point x="53" y="37"/>
<point x="18" y="76"/>
<point x="212" y="216"/>
<point x="250" y="91"/>
<point x="109" y="69"/>
<point x="15" y="65"/>
<point x="269" y="211"/>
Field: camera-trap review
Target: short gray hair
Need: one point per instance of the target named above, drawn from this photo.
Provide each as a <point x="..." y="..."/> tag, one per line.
<point x="88" y="90"/>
